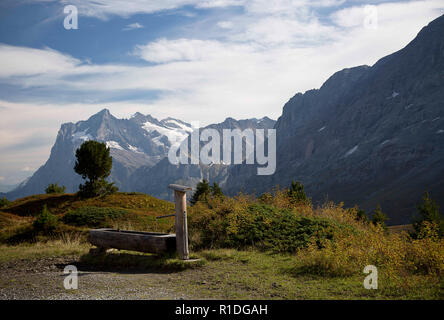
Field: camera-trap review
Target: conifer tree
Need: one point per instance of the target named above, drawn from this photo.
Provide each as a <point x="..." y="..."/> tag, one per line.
<point x="94" y="163"/>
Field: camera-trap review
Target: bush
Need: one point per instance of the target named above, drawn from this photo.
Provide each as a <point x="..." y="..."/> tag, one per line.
<point x="395" y="255"/>
<point x="45" y="222"/>
<point x="202" y="192"/>
<point x="55" y="188"/>
<point x="95" y="217"/>
<point x="430" y="223"/>
<point x="216" y="190"/>
<point x="379" y="217"/>
<point x="296" y="194"/>
<point x="4" y="202"/>
<point x="234" y="223"/>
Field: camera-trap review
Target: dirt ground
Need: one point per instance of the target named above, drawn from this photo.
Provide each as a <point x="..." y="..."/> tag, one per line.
<point x="44" y="278"/>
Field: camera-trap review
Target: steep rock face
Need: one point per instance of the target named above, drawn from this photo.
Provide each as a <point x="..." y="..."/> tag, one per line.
<point x="154" y="180"/>
<point x="137" y="145"/>
<point x="369" y="135"/>
<point x="135" y="142"/>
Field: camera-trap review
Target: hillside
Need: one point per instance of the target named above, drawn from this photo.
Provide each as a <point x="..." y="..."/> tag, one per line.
<point x="121" y="210"/>
<point x="267" y="248"/>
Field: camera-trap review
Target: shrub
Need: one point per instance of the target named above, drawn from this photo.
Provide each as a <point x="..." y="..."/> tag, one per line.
<point x="45" y="222"/>
<point x="379" y="217"/>
<point x="430" y="222"/>
<point x="202" y="192"/>
<point x="239" y="223"/>
<point x="287" y="199"/>
<point x="216" y="190"/>
<point x="55" y="188"/>
<point x="395" y="255"/>
<point x="358" y="214"/>
<point x="95" y="217"/>
<point x="4" y="202"/>
<point x="296" y="194"/>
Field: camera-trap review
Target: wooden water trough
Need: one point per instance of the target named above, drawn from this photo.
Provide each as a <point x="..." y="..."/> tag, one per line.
<point x="149" y="242"/>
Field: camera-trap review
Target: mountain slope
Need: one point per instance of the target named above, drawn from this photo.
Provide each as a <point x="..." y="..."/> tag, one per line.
<point x="369" y="135"/>
<point x="154" y="180"/>
<point x="140" y="140"/>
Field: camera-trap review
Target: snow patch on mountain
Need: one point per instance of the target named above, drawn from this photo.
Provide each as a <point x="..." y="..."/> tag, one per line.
<point x="351" y="151"/>
<point x="81" y="135"/>
<point x="394" y="95"/>
<point x="173" y="133"/>
<point x="134" y="149"/>
<point x="113" y="145"/>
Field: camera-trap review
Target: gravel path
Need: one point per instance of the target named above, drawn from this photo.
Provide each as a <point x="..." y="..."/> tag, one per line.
<point x="43" y="279"/>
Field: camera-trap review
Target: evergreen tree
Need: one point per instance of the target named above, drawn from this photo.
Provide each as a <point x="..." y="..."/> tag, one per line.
<point x="216" y="190"/>
<point x="361" y="215"/>
<point x="4" y="202"/>
<point x="55" y="188"/>
<point x="202" y="192"/>
<point x="45" y="221"/>
<point x="379" y="217"/>
<point x="296" y="193"/>
<point x="428" y="212"/>
<point x="94" y="163"/>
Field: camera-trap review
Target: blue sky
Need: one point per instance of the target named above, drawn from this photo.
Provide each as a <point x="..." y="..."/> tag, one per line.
<point x="193" y="60"/>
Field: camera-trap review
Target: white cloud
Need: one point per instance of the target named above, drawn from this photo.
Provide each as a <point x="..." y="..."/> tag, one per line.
<point x="286" y="7"/>
<point x="225" y="24"/>
<point x="164" y="50"/>
<point x="250" y="70"/>
<point x="248" y="74"/>
<point x="102" y="9"/>
<point x="23" y="61"/>
<point x="278" y="30"/>
<point x="219" y="3"/>
<point x="389" y="13"/>
<point x="133" y="26"/>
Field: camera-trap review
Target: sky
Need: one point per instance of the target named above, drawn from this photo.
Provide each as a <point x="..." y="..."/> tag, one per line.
<point x="194" y="60"/>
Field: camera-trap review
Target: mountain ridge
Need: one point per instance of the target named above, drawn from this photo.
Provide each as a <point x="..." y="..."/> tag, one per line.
<point x="140" y="141"/>
<point x="368" y="135"/>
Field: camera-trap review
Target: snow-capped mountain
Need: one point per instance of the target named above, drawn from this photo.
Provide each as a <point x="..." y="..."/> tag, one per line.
<point x="154" y="180"/>
<point x="140" y="142"/>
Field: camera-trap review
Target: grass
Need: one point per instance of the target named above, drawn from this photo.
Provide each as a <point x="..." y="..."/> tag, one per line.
<point x="62" y="203"/>
<point x="229" y="273"/>
<point x="247" y="249"/>
<point x="233" y="274"/>
<point x="130" y="211"/>
<point x="39" y="250"/>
